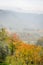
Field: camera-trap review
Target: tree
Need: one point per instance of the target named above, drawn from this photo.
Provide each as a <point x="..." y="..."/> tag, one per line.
<point x="3" y="54"/>
<point x="40" y="42"/>
<point x="4" y="50"/>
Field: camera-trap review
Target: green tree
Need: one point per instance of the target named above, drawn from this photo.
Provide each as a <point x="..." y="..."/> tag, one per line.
<point x="4" y="50"/>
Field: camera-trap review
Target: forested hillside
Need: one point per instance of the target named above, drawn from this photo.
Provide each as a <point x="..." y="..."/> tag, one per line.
<point x="13" y="51"/>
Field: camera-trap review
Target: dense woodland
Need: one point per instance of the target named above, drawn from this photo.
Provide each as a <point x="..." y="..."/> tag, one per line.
<point x="13" y="51"/>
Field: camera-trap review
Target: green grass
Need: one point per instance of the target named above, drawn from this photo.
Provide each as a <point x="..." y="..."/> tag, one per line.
<point x="4" y="64"/>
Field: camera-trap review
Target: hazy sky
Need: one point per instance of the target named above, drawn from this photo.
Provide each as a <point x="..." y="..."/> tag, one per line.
<point x="22" y="5"/>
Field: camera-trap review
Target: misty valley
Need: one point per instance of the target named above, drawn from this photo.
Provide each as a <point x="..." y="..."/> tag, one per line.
<point x="21" y="38"/>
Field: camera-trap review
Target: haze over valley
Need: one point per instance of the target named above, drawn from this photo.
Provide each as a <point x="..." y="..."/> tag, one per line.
<point x="29" y="26"/>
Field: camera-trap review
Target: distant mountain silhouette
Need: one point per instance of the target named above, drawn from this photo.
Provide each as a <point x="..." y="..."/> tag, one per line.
<point x="18" y="21"/>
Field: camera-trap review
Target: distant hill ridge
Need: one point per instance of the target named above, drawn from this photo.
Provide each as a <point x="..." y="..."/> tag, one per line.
<point x="18" y="21"/>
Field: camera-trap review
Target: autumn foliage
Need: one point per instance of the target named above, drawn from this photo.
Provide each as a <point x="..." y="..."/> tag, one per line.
<point x="18" y="52"/>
